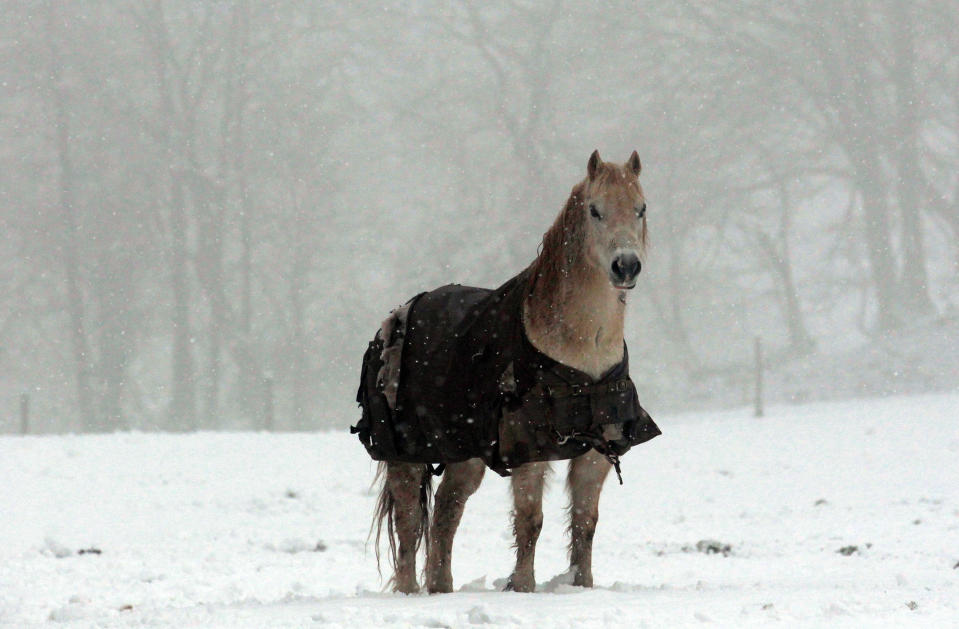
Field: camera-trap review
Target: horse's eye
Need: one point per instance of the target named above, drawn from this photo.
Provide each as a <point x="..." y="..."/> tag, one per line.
<point x="594" y="212"/>
<point x="641" y="212"/>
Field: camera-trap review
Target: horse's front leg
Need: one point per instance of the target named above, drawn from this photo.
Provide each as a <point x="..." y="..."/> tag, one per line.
<point x="460" y="481"/>
<point x="585" y="482"/>
<point x="527" y="485"/>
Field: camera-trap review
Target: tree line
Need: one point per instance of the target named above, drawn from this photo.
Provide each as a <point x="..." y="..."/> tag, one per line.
<point x="207" y="207"/>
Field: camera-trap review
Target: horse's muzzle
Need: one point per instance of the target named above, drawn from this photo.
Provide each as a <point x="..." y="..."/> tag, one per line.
<point x="624" y="270"/>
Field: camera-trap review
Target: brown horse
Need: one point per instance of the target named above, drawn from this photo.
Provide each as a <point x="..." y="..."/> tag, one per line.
<point x="573" y="313"/>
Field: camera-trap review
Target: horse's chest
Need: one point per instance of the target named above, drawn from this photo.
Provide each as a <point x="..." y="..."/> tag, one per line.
<point x="583" y="354"/>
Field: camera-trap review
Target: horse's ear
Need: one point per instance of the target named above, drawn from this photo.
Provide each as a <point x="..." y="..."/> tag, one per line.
<point x="633" y="165"/>
<point x="594" y="163"/>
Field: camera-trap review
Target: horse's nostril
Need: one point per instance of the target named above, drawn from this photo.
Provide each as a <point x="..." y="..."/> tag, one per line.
<point x="617" y="269"/>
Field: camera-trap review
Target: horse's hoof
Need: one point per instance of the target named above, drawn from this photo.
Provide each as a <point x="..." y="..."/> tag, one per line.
<point x="439" y="589"/>
<point x="407" y="589"/>
<point x="583" y="581"/>
<point x="514" y="586"/>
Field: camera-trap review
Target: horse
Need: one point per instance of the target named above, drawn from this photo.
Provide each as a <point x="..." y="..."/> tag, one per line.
<point x="572" y="308"/>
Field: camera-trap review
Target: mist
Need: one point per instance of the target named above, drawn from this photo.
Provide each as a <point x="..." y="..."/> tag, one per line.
<point x="207" y="208"/>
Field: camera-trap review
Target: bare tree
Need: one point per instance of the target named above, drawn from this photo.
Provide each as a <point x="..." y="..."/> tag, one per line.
<point x="57" y="95"/>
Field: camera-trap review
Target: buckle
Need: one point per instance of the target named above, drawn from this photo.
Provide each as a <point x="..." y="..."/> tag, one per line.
<point x="620" y="386"/>
<point x="575" y="390"/>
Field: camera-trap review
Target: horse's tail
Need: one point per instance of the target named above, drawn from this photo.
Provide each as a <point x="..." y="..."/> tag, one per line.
<point x="386" y="509"/>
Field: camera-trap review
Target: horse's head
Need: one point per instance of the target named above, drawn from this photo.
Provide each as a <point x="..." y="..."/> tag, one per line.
<point x="614" y="210"/>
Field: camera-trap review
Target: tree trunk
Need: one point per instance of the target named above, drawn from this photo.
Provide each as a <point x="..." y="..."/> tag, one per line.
<point x="879" y="253"/>
<point x="848" y="66"/>
<point x="209" y="269"/>
<point x="800" y="342"/>
<point x="915" y="279"/>
<point x="676" y="328"/>
<point x="183" y="402"/>
<point x="115" y="341"/>
<point x="182" y="410"/>
<point x="69" y="255"/>
<point x="249" y="374"/>
<point x="299" y="342"/>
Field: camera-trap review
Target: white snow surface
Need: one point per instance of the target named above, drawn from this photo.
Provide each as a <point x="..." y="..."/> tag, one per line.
<point x="269" y="530"/>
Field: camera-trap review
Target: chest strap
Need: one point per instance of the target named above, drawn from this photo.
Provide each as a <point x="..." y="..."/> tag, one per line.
<point x="575" y="390"/>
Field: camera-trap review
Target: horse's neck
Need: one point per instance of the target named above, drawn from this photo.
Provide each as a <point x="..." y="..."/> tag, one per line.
<point x="580" y="324"/>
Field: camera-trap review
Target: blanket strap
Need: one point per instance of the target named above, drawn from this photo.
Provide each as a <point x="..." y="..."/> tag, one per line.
<point x="614" y="459"/>
<point x="599" y="443"/>
<point x="574" y="390"/>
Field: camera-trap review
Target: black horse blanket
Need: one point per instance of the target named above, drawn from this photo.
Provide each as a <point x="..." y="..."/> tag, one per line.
<point x="452" y="376"/>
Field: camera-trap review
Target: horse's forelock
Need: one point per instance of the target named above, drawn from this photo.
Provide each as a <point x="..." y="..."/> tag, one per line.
<point x="615" y="175"/>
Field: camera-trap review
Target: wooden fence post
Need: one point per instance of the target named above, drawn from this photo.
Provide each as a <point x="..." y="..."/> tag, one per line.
<point x="268" y="403"/>
<point x="24" y="413"/>
<point x="759" y="377"/>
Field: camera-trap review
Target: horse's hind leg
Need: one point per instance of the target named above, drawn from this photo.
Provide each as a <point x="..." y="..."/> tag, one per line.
<point x="585" y="482"/>
<point x="527" y="484"/>
<point x="404" y="503"/>
<point x="460" y="481"/>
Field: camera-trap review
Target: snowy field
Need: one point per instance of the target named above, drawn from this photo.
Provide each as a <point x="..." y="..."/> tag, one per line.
<point x="269" y="530"/>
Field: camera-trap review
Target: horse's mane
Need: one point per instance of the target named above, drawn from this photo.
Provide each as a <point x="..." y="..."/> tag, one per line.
<point x="561" y="250"/>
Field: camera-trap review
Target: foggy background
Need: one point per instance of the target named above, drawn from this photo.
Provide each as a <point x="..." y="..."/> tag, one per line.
<point x="207" y="208"/>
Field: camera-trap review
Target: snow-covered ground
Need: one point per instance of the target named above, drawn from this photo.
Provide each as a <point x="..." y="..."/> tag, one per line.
<point x="269" y="530"/>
